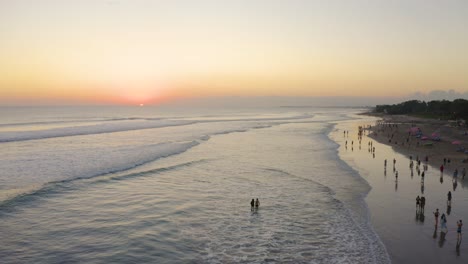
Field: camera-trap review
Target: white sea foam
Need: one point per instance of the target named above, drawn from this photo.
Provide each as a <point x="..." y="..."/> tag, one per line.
<point x="177" y="190"/>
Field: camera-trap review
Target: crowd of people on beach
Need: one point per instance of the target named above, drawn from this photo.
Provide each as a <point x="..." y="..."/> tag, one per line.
<point x="421" y="165"/>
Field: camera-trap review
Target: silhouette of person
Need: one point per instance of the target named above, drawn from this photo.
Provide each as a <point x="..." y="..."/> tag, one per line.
<point x="443" y="222"/>
<point x="252" y="203"/>
<point x="257" y="203"/>
<point x="436" y="215"/>
<point x="459" y="231"/>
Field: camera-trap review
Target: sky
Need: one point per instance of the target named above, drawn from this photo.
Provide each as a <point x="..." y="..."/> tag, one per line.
<point x="150" y="51"/>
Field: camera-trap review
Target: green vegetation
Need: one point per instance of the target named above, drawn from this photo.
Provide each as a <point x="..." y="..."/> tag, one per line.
<point x="456" y="109"/>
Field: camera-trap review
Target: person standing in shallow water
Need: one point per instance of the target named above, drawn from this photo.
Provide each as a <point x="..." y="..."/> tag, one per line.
<point x="257" y="203"/>
<point x="252" y="203"/>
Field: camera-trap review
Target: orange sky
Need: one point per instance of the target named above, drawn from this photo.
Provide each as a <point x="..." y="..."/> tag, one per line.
<point x="131" y="52"/>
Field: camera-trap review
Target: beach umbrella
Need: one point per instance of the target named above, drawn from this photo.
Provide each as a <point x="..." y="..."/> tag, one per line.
<point x="456" y="142"/>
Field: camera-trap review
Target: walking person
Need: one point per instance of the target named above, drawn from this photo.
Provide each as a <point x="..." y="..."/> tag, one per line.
<point x="436" y="215"/>
<point x="459" y="230"/>
<point x="418" y="202"/>
<point x="443" y="223"/>
<point x="257" y="203"/>
<point x="252" y="203"/>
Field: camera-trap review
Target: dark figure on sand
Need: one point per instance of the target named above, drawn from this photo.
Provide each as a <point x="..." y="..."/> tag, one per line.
<point x="252" y="203"/>
<point x="443" y="223"/>
<point x="449" y="198"/>
<point x="257" y="203"/>
<point x="418" y="202"/>
<point x="436" y="215"/>
<point x="459" y="231"/>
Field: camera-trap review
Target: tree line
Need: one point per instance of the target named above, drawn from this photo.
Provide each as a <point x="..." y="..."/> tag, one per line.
<point x="443" y="109"/>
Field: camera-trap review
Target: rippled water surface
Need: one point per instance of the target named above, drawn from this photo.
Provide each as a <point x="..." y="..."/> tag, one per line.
<point x="140" y="187"/>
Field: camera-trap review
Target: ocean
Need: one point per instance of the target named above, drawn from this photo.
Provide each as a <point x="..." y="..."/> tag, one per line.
<point x="174" y="185"/>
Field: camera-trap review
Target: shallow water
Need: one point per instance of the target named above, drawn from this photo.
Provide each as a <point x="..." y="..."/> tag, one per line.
<point x="180" y="193"/>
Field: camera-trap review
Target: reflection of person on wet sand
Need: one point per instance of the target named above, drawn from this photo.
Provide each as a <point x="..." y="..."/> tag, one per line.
<point x="443" y="223"/>
<point x="419" y="216"/>
<point x="442" y="238"/>
<point x="423" y="203"/>
<point x="449" y="198"/>
<point x="443" y="229"/>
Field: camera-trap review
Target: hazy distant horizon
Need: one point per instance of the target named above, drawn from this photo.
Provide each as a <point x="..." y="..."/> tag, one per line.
<point x="267" y="101"/>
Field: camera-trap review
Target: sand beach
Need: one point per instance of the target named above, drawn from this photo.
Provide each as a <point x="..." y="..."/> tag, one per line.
<point x="409" y="235"/>
<point x="439" y="140"/>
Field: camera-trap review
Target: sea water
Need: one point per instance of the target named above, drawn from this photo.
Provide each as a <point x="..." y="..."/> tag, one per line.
<point x="153" y="185"/>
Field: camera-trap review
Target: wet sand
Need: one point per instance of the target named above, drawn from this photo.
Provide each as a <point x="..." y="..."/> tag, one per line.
<point x="408" y="237"/>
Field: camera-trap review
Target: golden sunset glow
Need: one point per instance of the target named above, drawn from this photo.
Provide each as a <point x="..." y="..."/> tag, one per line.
<point x="133" y="52"/>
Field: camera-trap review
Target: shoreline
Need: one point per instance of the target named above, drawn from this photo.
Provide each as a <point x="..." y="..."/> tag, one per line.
<point x="391" y="201"/>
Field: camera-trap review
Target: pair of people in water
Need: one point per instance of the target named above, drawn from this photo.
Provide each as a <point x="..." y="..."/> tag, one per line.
<point x="255" y="203"/>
